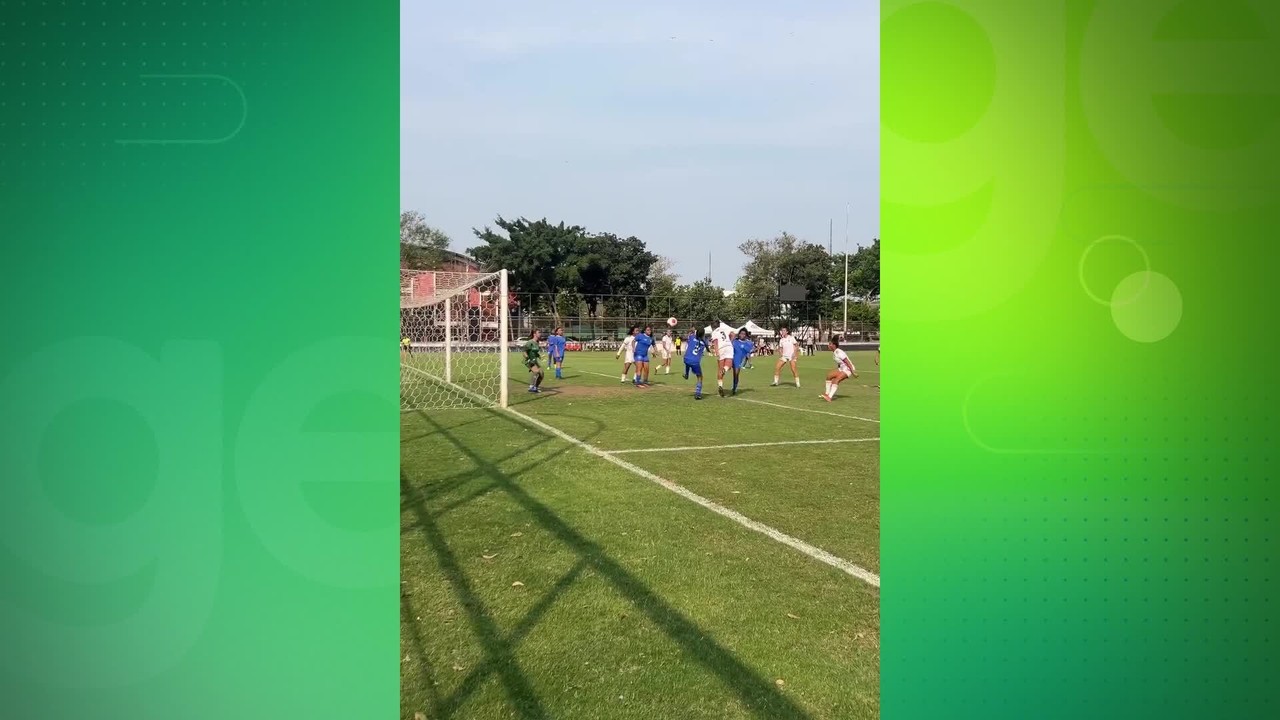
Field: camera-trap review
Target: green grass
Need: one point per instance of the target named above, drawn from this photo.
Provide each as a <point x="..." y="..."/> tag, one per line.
<point x="634" y="602"/>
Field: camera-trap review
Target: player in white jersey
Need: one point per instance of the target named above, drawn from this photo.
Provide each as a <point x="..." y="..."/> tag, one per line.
<point x="788" y="350"/>
<point x="666" y="347"/>
<point x="843" y="371"/>
<point x="722" y="346"/>
<point x="628" y="347"/>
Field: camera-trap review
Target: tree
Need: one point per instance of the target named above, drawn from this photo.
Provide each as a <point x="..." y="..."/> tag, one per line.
<point x="702" y="302"/>
<point x="609" y="265"/>
<point x="760" y="275"/>
<point x="864" y="272"/>
<point x="662" y="280"/>
<point x="539" y="257"/>
<point x="422" y="247"/>
<point x="563" y="264"/>
<point x="745" y="303"/>
<point x="660" y="286"/>
<point x="784" y="260"/>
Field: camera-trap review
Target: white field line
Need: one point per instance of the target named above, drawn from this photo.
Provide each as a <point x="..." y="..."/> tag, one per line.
<point x="589" y="372"/>
<point x="816" y="553"/>
<point x="740" y="445"/>
<point x="758" y="402"/>
<point x="785" y="370"/>
<point x="800" y="409"/>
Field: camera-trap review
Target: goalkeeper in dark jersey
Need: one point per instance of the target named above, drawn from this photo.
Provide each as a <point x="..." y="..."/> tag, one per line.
<point x="532" y="354"/>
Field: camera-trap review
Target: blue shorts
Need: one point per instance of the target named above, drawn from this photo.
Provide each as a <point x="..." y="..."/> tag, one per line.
<point x="737" y="364"/>
<point x="642" y="358"/>
<point x="695" y="369"/>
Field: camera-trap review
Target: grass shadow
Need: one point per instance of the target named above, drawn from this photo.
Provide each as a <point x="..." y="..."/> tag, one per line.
<point x="424" y="436"/>
<point x="500" y="654"/>
<point x="754" y="691"/>
<point x="419" y="651"/>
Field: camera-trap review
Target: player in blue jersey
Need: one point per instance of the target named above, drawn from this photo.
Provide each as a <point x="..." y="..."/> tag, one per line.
<point x="690" y="343"/>
<point x="644" y="341"/>
<point x="694" y="347"/>
<point x="555" y="351"/>
<point x="742" y="349"/>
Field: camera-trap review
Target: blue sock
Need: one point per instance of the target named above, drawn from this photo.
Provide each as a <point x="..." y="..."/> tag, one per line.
<point x="698" y="389"/>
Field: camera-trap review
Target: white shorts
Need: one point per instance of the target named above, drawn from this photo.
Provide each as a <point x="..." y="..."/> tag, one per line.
<point x="629" y="357"/>
<point x="787" y="359"/>
<point x="666" y="355"/>
<point x="846" y="372"/>
<point x="724" y="357"/>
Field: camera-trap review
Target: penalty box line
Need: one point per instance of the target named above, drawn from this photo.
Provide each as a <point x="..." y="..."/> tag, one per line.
<point x="740" y="445"/>
<point x="814" y="552"/>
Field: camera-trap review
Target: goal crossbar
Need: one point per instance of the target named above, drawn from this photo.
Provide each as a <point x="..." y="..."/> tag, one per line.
<point x="474" y="280"/>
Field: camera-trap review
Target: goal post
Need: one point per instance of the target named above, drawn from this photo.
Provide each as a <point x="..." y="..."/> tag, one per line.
<point x="504" y="331"/>
<point x="455" y="340"/>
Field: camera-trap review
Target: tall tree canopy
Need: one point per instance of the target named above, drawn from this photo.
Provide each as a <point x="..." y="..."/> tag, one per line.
<point x="609" y="265"/>
<point x="662" y="280"/>
<point x="703" y="302"/>
<point x="784" y="260"/>
<point x="422" y="247"/>
<point x="564" y="262"/>
<point x="864" y="272"/>
<point x="538" y="256"/>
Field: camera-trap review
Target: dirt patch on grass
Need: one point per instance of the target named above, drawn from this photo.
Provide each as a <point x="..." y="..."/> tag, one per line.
<point x="587" y="392"/>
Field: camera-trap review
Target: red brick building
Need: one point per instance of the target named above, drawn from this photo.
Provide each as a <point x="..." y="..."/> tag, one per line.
<point x="457" y="262"/>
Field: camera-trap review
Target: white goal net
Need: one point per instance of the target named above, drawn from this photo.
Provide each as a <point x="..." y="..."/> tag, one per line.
<point x="452" y="331"/>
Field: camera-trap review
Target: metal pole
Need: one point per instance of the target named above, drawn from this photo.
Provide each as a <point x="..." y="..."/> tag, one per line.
<point x="448" y="339"/>
<point x="504" y="327"/>
<point x="846" y="269"/>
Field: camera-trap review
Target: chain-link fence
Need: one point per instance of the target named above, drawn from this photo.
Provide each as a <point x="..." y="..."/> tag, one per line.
<point x="604" y="322"/>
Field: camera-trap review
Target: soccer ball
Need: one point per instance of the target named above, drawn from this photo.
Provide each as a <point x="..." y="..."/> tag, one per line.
<point x="672" y="322"/>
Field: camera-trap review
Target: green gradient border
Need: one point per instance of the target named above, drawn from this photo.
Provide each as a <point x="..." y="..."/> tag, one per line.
<point x="200" y="421"/>
<point x="1079" y="423"/>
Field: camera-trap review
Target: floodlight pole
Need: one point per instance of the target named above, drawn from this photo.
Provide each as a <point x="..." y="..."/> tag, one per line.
<point x="845" y="328"/>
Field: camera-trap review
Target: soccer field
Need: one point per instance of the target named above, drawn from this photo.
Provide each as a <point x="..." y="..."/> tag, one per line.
<point x="632" y="553"/>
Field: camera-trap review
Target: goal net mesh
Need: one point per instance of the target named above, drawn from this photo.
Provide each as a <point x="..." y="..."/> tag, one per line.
<point x="451" y="346"/>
